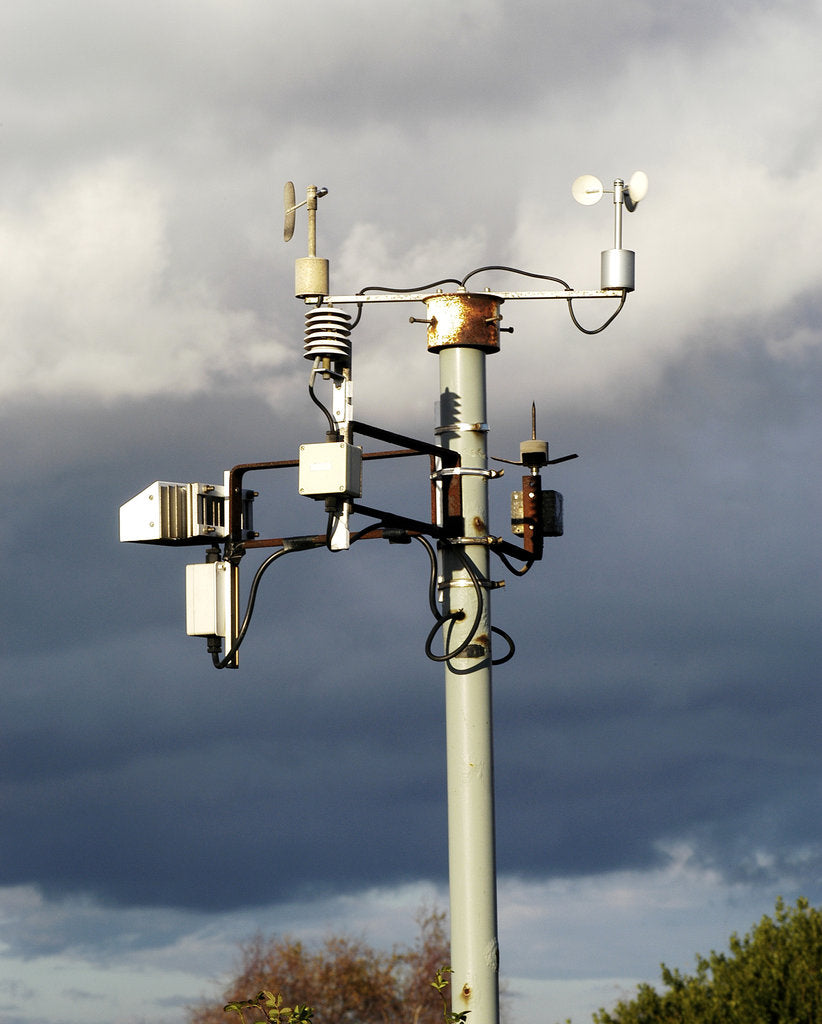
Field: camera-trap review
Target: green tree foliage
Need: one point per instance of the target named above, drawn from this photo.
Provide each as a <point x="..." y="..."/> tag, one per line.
<point x="771" y="976"/>
<point x="343" y="980"/>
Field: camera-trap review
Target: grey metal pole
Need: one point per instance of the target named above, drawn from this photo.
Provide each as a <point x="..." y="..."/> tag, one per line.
<point x="462" y="329"/>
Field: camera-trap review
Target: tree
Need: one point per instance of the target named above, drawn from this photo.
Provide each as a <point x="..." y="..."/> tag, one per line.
<point x="771" y="976"/>
<point x="344" y="980"/>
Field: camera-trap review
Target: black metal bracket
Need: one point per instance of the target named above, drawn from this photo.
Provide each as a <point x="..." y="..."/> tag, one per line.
<point x="446" y="492"/>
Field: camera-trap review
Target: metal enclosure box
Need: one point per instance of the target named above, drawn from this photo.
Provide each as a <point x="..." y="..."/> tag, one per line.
<point x="210" y="601"/>
<point x="551" y="514"/>
<point x="174" y="513"/>
<point x="330" y="469"/>
<point x="205" y="608"/>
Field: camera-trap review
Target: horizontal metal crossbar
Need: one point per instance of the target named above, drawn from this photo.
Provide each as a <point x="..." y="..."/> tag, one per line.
<point x="342" y="300"/>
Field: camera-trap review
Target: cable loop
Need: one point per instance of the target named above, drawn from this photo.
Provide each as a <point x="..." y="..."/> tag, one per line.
<point x="477" y="584"/>
<point x="249" y="611"/>
<point x="511" y="646"/>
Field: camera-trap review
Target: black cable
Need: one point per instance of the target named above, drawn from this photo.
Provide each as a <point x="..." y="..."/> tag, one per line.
<point x="396" y="291"/>
<point x="512" y="568"/>
<point x="557" y="280"/>
<point x="507" y="270"/>
<point x="249" y="611"/>
<point x="366" y="529"/>
<point x="432" y="579"/>
<point x="332" y="423"/>
<point x="407" y="291"/>
<point x="331" y="526"/>
<point x="522" y="273"/>
<point x="511" y="646"/>
<point x="454" y="616"/>
<point x="596" y="330"/>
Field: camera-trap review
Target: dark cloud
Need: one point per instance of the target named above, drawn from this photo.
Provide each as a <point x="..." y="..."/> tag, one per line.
<point x="663" y="686"/>
<point x="663" y="694"/>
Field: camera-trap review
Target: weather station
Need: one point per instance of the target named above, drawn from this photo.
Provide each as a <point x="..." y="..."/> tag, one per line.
<point x="462" y="326"/>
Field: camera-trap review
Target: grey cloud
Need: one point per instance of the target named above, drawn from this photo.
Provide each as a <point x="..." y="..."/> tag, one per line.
<point x="664" y="686"/>
<point x="659" y="680"/>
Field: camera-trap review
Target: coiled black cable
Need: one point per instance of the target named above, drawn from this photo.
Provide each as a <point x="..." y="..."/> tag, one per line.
<point x="454" y="616"/>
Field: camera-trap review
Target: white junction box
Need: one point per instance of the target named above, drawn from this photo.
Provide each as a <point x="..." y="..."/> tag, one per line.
<point x="207" y="588"/>
<point x="331" y="469"/>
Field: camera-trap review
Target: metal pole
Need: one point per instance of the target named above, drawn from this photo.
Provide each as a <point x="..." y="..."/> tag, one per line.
<point x="462" y="347"/>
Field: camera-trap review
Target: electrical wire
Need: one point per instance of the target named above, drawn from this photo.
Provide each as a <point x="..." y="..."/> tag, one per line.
<point x="249" y="611"/>
<point x="366" y="529"/>
<point x="596" y="330"/>
<point x="504" y="269"/>
<point x="442" y="619"/>
<point x="516" y="270"/>
<point x="332" y="423"/>
<point x="512" y="568"/>
<point x="557" y="280"/>
<point x="408" y="291"/>
<point x="454" y="616"/>
<point x="511" y="646"/>
<point x="396" y="291"/>
<point x="331" y="526"/>
<point x="225" y="661"/>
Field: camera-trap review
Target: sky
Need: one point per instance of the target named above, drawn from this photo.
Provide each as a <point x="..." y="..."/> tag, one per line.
<point x="656" y="735"/>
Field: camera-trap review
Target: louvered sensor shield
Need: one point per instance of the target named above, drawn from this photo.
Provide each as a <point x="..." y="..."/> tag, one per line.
<point x="180" y="514"/>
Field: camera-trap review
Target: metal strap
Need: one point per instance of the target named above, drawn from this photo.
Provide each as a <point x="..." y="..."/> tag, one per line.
<point x="491" y="474"/>
<point x="461" y="428"/>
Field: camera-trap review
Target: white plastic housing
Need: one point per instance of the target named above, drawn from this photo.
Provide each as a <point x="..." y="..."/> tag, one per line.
<point x="211" y="600"/>
<point x="330" y="469"/>
<point x="205" y="599"/>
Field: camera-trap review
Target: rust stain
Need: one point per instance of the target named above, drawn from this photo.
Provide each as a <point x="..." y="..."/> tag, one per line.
<point x="463" y="319"/>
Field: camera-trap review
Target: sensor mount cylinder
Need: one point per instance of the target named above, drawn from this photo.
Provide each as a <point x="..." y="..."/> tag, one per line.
<point x="463" y="320"/>
<point x="310" y="277"/>
<point x="617" y="269"/>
